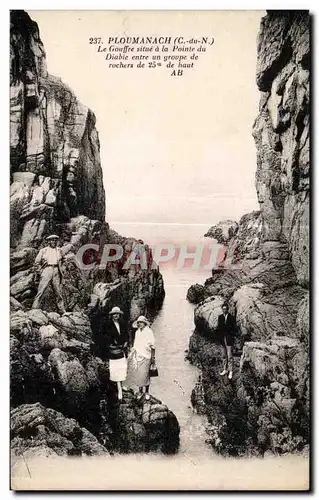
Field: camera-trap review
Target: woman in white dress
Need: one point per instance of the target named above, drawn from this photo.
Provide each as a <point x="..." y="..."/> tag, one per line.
<point x="142" y="356"/>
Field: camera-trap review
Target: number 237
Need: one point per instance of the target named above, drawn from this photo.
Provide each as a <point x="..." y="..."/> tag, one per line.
<point x="95" y="40"/>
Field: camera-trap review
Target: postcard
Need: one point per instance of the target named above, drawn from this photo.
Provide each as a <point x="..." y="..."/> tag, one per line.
<point x="159" y="250"/>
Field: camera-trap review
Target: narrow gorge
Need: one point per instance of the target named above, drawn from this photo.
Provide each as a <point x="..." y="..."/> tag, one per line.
<point x="61" y="400"/>
<point x="265" y="272"/>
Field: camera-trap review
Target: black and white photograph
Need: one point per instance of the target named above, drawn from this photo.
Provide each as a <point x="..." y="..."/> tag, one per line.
<point x="159" y="250"/>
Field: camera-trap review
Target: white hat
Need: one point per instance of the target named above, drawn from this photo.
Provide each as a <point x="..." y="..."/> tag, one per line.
<point x="53" y="237"/>
<point x="141" y="319"/>
<point x="116" y="310"/>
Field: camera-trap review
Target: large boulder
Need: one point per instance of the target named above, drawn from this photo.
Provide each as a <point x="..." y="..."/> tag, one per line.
<point x="223" y="232"/>
<point x="22" y="259"/>
<point x="245" y="242"/>
<point x="145" y="425"/>
<point x="75" y="325"/>
<point x="206" y="314"/>
<point x="71" y="376"/>
<point x="40" y="431"/>
<point x="264" y="314"/>
<point x="196" y="293"/>
<point x="31" y="375"/>
<point x="51" y="357"/>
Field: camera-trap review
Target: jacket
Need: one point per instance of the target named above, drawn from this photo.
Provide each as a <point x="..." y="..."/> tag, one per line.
<point x="109" y="343"/>
<point x="227" y="329"/>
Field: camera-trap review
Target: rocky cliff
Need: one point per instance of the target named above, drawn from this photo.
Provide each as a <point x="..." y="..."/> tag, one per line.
<point x="57" y="187"/>
<point x="265" y="271"/>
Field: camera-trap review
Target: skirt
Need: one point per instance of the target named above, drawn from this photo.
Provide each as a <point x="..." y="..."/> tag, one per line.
<point x="118" y="369"/>
<point x="229" y="340"/>
<point x="138" y="369"/>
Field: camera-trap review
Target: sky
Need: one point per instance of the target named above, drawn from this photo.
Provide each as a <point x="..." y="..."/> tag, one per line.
<point x="173" y="150"/>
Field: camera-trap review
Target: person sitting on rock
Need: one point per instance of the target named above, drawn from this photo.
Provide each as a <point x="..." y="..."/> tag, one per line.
<point x="48" y="265"/>
<point x="226" y="326"/>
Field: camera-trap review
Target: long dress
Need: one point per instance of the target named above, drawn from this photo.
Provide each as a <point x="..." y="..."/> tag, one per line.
<point x="139" y="360"/>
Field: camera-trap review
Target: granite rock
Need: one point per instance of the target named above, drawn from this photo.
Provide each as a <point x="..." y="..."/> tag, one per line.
<point x="57" y="187"/>
<point x="40" y="431"/>
<point x="265" y="271"/>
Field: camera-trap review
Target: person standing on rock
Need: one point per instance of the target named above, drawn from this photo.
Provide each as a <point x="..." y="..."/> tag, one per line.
<point x="226" y="326"/>
<point x="117" y="341"/>
<point x="48" y="264"/>
<point x="142" y="356"/>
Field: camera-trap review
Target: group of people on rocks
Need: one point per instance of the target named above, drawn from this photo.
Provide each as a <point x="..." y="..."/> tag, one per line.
<point x="129" y="365"/>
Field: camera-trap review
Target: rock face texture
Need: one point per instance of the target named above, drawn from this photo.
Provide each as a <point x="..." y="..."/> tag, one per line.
<point x="57" y="187"/>
<point x="223" y="232"/>
<point x="264" y="275"/>
<point x="144" y="425"/>
<point x="281" y="132"/>
<point x="36" y="430"/>
<point x="52" y="134"/>
<point x="196" y="293"/>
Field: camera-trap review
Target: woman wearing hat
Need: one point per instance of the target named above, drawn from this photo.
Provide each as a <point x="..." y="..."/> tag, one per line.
<point x="117" y="340"/>
<point x="142" y="356"/>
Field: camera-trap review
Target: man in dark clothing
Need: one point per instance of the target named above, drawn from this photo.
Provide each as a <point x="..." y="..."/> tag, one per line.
<point x="227" y="328"/>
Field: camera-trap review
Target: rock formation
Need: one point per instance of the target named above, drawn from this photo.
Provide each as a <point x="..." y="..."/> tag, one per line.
<point x="57" y="187"/>
<point x="196" y="293"/>
<point x="223" y="232"/>
<point x="36" y="430"/>
<point x="265" y="271"/>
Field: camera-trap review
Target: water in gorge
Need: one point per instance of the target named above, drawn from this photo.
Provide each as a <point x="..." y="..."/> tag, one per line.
<point x="172" y="327"/>
<point x="177" y="377"/>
